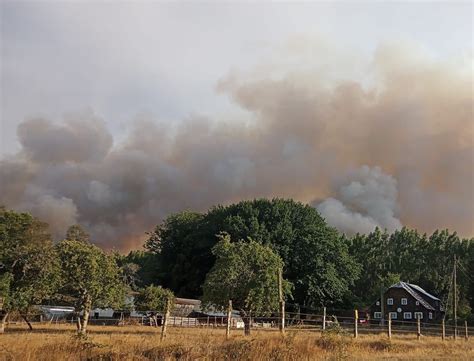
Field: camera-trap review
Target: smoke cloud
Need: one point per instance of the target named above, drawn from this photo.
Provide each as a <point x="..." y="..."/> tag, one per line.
<point x="402" y="121"/>
<point x="367" y="199"/>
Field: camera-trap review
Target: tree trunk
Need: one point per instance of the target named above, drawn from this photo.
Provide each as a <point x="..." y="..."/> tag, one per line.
<point x="85" y="321"/>
<point x="3" y="322"/>
<point x="78" y="322"/>
<point x="25" y="317"/>
<point x="85" y="317"/>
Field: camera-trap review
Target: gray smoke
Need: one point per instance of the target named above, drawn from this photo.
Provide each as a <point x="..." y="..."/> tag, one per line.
<point x="407" y="131"/>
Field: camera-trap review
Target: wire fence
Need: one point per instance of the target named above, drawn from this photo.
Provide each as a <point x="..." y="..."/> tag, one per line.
<point x="293" y="322"/>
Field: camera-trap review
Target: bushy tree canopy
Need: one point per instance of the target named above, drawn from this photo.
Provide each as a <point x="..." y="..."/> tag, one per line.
<point x="316" y="255"/>
<point x="154" y="299"/>
<point x="90" y="277"/>
<point x="245" y="272"/>
<point x="28" y="263"/>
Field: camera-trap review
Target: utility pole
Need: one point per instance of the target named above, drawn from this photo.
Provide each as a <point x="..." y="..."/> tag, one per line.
<point x="455" y="301"/>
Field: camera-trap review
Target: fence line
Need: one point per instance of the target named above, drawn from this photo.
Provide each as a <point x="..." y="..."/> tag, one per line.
<point x="293" y="322"/>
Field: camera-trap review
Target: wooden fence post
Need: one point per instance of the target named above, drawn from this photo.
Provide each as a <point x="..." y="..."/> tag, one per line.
<point x="324" y="318"/>
<point x="443" y="330"/>
<point x="356" y="321"/>
<point x="282" y="301"/>
<point x="418" y="328"/>
<point x="165" y="319"/>
<point x="229" y="319"/>
<point x="389" y="325"/>
<point x="466" y="333"/>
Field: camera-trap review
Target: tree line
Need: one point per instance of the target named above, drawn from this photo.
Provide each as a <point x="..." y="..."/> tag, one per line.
<point x="324" y="267"/>
<point x="228" y="253"/>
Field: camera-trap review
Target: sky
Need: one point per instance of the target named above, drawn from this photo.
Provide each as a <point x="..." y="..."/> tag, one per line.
<point x="195" y="73"/>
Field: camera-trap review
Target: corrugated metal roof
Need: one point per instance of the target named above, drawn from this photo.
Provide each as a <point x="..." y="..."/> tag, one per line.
<point x="412" y="291"/>
<point x="419" y="289"/>
<point x="187" y="301"/>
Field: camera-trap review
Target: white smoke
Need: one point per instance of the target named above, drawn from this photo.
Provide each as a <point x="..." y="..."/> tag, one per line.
<point x="366" y="199"/>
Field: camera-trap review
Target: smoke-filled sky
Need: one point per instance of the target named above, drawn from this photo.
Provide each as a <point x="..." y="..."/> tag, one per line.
<point x="114" y="115"/>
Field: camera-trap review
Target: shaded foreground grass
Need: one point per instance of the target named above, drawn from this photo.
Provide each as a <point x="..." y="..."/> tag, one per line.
<point x="58" y="342"/>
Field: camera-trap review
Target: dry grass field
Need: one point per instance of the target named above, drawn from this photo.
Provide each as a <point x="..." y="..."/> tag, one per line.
<point x="58" y="342"/>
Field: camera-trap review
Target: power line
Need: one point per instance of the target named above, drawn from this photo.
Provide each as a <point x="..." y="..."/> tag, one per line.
<point x="461" y="267"/>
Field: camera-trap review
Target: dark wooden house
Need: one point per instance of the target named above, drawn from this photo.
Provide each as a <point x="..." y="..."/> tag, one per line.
<point x="407" y="302"/>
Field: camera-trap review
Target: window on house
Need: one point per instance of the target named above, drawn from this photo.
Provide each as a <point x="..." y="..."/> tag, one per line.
<point x="404" y="301"/>
<point x="417" y="303"/>
<point x="377" y="303"/>
<point x="430" y="315"/>
<point x="407" y="315"/>
<point x="393" y="315"/>
<point x="419" y="315"/>
<point x="377" y="314"/>
<point x="389" y="301"/>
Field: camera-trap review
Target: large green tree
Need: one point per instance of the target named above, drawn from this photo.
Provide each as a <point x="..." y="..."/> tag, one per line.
<point x="316" y="255"/>
<point x="90" y="278"/>
<point x="29" y="270"/>
<point x="245" y="272"/>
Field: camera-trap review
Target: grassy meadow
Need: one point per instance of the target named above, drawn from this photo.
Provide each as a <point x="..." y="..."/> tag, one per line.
<point x="58" y="342"/>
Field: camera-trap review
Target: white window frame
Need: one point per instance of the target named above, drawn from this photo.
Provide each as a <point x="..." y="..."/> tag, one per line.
<point x="407" y="315"/>
<point x="418" y="315"/>
<point x="393" y="315"/>
<point x="378" y="315"/>
<point x="417" y="303"/>
<point x="377" y="303"/>
<point x="430" y="315"/>
<point x="390" y="301"/>
<point x="404" y="301"/>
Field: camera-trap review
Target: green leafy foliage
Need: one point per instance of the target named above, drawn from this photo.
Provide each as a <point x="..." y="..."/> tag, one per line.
<point x="147" y="269"/>
<point x="89" y="277"/>
<point x="153" y="298"/>
<point x="245" y="272"/>
<point x="410" y="256"/>
<point x="316" y="255"/>
<point x="89" y="272"/>
<point x="28" y="262"/>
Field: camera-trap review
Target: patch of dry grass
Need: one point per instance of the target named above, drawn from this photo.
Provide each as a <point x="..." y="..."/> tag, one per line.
<point x="58" y="342"/>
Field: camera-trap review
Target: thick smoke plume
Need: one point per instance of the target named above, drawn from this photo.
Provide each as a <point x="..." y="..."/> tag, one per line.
<point x="404" y="127"/>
